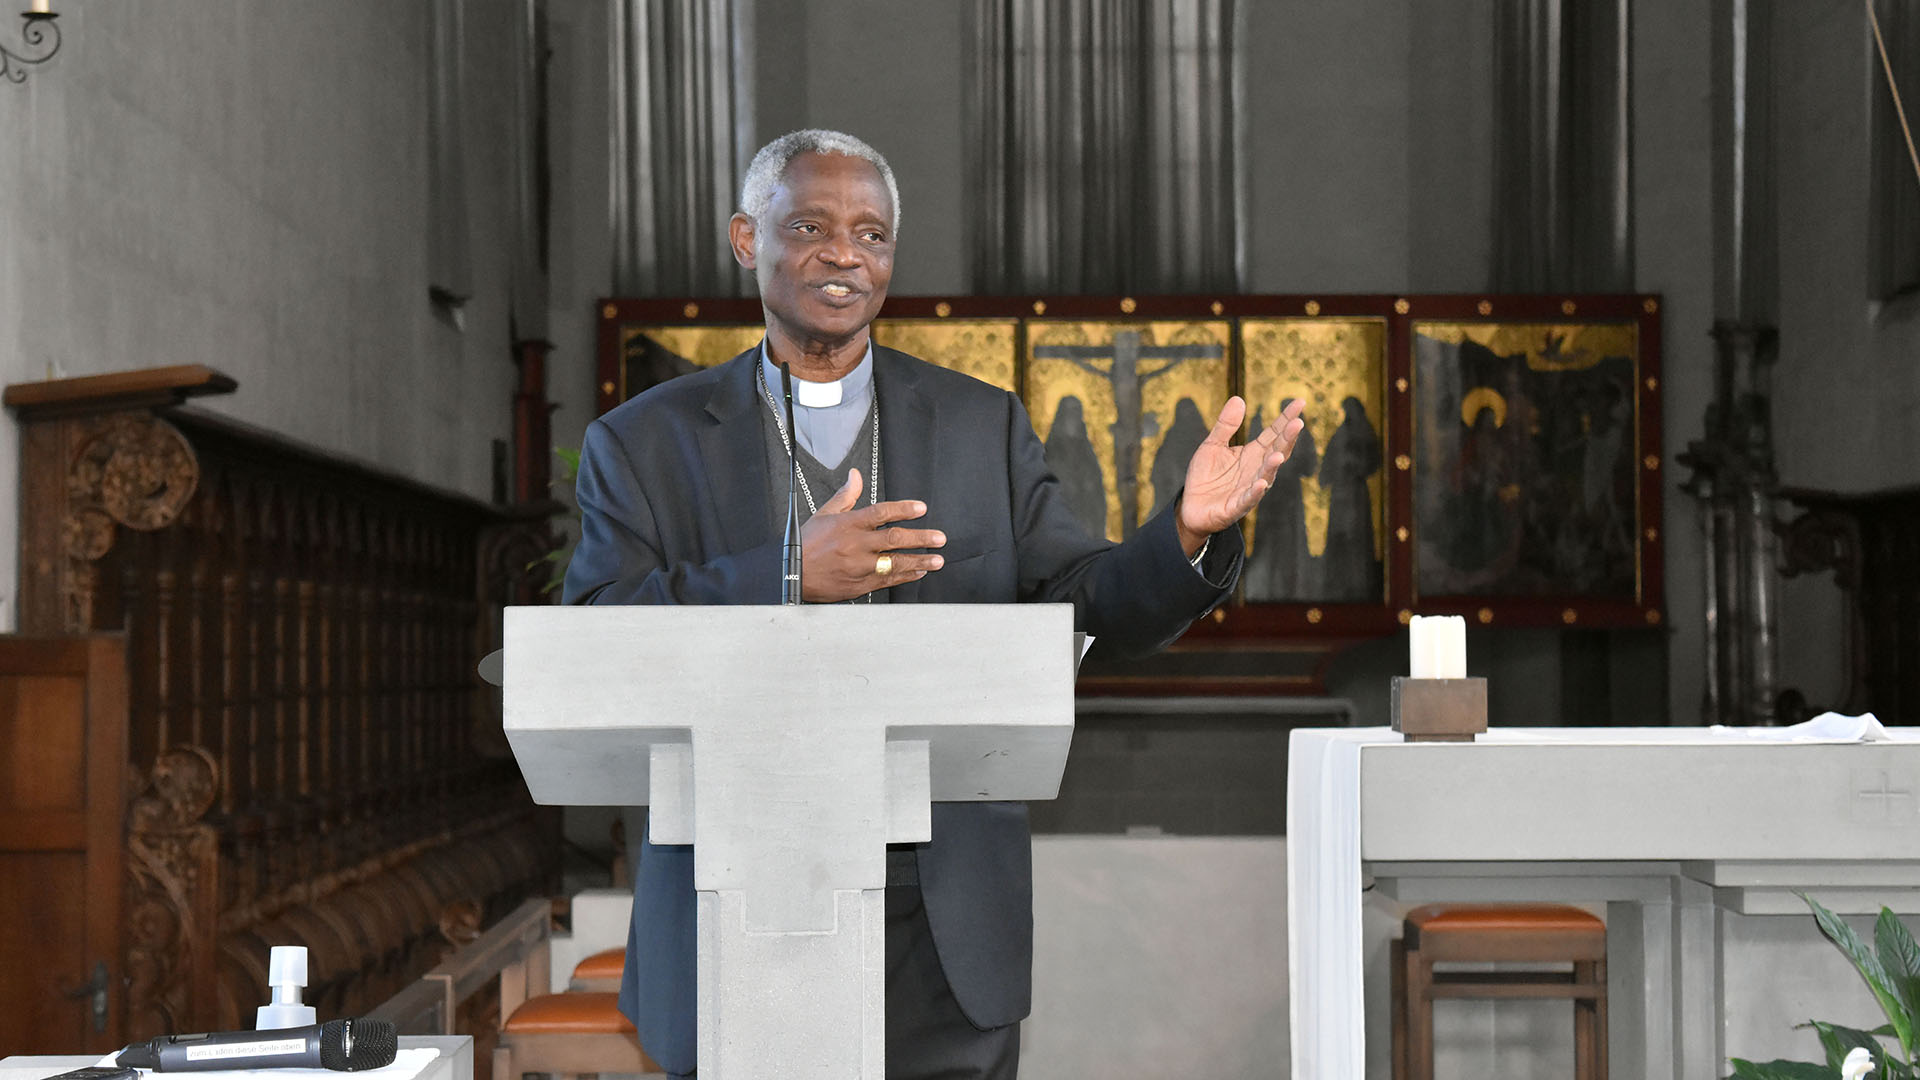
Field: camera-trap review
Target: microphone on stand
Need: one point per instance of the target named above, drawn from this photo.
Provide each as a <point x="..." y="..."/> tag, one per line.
<point x="790" y="562"/>
<point x="340" y="1045"/>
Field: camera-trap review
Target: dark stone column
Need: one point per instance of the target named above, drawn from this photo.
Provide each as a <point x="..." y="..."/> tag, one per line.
<point x="1732" y="463"/>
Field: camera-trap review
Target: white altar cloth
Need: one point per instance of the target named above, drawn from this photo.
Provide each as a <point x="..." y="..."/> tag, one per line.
<point x="1554" y="795"/>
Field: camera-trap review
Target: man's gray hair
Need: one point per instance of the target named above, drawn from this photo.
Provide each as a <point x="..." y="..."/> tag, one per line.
<point x="770" y="165"/>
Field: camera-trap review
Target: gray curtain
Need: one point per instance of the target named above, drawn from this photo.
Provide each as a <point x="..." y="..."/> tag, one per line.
<point x="1896" y="191"/>
<point x="449" y="258"/>
<point x="528" y="292"/>
<point x="682" y="127"/>
<point x="1102" y="146"/>
<point x="1562" y="176"/>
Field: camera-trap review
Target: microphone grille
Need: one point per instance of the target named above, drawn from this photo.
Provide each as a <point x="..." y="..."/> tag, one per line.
<point x="354" y="1045"/>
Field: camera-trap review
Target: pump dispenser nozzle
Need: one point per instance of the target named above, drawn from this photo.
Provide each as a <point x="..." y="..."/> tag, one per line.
<point x="287" y="974"/>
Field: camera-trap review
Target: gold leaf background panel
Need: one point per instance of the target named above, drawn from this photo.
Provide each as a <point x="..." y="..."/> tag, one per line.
<point x="1338" y="367"/>
<point x="704" y="346"/>
<point x="653" y="354"/>
<point x="1171" y="378"/>
<point x="982" y="348"/>
<point x="1548" y="347"/>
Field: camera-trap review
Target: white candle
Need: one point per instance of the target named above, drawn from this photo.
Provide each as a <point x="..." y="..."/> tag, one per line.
<point x="1437" y="647"/>
<point x="1453" y="647"/>
<point x="41" y="7"/>
<point x="1420" y="647"/>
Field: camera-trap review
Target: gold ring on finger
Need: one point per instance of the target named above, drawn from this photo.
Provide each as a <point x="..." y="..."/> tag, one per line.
<point x="883" y="565"/>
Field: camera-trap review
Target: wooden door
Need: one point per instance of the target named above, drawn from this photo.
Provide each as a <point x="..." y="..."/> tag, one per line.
<point x="63" y="769"/>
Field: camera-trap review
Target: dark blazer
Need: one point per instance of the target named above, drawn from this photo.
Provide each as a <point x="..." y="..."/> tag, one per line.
<point x="676" y="508"/>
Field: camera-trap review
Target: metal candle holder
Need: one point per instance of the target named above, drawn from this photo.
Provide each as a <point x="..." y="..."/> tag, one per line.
<point x="40" y="33"/>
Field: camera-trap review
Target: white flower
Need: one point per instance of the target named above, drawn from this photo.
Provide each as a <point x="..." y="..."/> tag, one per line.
<point x="1858" y="1064"/>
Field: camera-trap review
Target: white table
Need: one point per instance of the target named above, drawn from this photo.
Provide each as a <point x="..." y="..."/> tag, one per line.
<point x="1681" y="831"/>
<point x="455" y="1061"/>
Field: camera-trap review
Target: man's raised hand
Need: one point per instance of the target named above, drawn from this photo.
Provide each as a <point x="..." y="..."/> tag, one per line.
<point x="1225" y="481"/>
<point x="841" y="548"/>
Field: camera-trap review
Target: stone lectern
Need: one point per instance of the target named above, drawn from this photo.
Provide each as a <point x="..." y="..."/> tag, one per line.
<point x="790" y="745"/>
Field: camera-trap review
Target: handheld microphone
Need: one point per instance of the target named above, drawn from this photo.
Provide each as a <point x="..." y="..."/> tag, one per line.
<point x="340" y="1045"/>
<point x="790" y="562"/>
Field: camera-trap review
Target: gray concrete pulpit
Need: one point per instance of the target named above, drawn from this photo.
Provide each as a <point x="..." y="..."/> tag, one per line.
<point x="790" y="745"/>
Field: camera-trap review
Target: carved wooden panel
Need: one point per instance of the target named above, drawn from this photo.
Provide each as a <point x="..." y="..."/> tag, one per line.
<point x="314" y="760"/>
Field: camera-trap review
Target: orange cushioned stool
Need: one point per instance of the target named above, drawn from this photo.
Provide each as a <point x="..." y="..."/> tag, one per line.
<point x="601" y="971"/>
<point x="1499" y="933"/>
<point x="569" y="1034"/>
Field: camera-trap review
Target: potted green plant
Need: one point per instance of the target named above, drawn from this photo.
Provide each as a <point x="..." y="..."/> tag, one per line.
<point x="1891" y="969"/>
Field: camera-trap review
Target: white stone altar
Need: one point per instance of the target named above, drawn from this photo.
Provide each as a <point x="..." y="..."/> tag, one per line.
<point x="790" y="745"/>
<point x="1695" y="839"/>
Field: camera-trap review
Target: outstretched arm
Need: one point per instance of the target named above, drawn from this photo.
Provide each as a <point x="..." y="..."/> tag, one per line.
<point x="1137" y="596"/>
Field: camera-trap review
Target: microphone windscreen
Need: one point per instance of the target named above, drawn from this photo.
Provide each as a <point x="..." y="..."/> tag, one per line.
<point x="355" y="1045"/>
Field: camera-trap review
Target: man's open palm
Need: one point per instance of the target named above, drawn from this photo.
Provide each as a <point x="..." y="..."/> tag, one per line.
<point x="1225" y="481"/>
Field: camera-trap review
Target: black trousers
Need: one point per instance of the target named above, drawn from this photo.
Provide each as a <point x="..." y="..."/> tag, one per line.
<point x="928" y="1037"/>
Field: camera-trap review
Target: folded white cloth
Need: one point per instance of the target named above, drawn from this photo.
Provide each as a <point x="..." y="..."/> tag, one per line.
<point x="1828" y="727"/>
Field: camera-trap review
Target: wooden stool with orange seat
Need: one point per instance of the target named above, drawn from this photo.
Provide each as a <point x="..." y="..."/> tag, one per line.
<point x="1499" y="933"/>
<point x="601" y="971"/>
<point x="580" y="1031"/>
<point x="571" y="1033"/>
<point x="566" y="1033"/>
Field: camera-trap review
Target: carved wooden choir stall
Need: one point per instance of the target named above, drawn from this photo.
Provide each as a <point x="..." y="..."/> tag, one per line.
<point x="241" y="711"/>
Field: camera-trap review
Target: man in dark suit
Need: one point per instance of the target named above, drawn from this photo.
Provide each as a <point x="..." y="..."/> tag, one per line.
<point x="683" y="493"/>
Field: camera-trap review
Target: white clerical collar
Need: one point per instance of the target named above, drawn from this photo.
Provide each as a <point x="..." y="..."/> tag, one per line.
<point x="825" y="395"/>
<point x="816" y="395"/>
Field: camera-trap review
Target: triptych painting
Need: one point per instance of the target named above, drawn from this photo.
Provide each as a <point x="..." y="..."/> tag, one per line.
<point x="1496" y="456"/>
